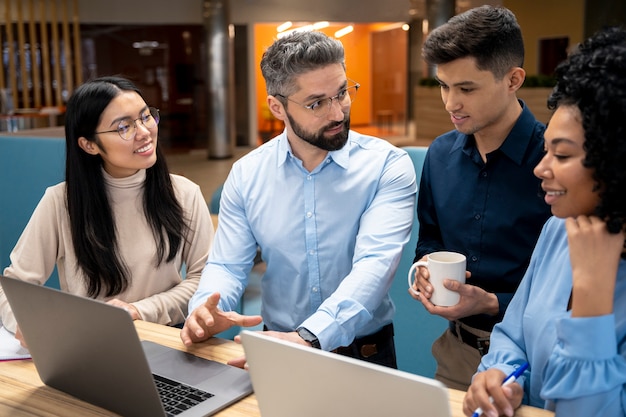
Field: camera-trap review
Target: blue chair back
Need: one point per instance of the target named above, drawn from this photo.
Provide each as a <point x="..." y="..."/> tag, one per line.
<point x="27" y="167"/>
<point x="214" y="208"/>
<point x="214" y="204"/>
<point x="415" y="328"/>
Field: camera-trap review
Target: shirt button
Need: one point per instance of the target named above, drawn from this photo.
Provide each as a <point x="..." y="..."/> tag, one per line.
<point x="484" y="175"/>
<point x="311" y="252"/>
<point x="477" y="217"/>
<point x="308" y="177"/>
<point x="474" y="258"/>
<point x="309" y="214"/>
<point x="314" y="289"/>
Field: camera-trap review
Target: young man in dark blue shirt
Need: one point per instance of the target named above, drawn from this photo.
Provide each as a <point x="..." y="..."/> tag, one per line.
<point x="478" y="195"/>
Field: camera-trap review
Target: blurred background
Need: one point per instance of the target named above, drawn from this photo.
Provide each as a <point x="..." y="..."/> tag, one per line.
<point x="198" y="61"/>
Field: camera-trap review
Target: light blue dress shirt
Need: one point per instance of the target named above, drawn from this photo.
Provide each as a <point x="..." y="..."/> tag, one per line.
<point x="331" y="238"/>
<point x="577" y="365"/>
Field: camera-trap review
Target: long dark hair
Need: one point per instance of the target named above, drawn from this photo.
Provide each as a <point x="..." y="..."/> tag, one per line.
<point x="91" y="218"/>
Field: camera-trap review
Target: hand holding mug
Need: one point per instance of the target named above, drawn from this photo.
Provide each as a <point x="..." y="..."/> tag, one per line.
<point x="441" y="265"/>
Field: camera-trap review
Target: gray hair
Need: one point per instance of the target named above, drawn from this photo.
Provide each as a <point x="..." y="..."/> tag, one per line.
<point x="295" y="54"/>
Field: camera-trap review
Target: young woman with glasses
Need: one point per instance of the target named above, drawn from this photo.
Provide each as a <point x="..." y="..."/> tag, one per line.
<point x="121" y="226"/>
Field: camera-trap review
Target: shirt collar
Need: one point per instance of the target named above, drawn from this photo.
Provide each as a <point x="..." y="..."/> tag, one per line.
<point x="284" y="149"/>
<point x="341" y="157"/>
<point x="516" y="142"/>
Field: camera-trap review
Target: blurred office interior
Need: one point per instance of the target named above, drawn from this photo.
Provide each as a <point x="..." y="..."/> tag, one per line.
<point x="168" y="49"/>
<point x="198" y="62"/>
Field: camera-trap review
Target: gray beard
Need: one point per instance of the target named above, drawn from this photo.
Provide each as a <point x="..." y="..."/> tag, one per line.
<point x="332" y="143"/>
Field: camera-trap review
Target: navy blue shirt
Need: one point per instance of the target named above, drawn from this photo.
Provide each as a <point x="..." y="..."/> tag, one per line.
<point x="491" y="212"/>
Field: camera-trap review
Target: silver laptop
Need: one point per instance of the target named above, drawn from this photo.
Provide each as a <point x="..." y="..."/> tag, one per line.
<point x="91" y="350"/>
<point x="294" y="380"/>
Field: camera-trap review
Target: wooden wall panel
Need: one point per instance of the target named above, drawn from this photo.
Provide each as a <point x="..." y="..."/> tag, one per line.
<point x="44" y="52"/>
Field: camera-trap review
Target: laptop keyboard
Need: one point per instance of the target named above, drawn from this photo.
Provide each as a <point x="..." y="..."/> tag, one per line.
<point x="177" y="397"/>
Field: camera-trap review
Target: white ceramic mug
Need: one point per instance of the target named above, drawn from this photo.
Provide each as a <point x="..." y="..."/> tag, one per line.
<point x="441" y="265"/>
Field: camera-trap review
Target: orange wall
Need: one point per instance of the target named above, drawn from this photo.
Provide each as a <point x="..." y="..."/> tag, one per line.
<point x="358" y="67"/>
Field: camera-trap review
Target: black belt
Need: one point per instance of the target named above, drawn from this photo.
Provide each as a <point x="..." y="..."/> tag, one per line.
<point x="368" y="345"/>
<point x="470" y="339"/>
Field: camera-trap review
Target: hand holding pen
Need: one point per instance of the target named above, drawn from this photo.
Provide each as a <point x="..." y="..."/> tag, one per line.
<point x="512" y="377"/>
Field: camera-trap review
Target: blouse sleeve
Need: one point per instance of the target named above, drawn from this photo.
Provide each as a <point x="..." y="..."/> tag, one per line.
<point x="586" y="372"/>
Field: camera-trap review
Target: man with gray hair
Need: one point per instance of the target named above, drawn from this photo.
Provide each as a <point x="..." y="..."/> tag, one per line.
<point x="330" y="209"/>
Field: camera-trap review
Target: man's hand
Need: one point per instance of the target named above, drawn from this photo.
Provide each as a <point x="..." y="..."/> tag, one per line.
<point x="294" y="337"/>
<point x="207" y="320"/>
<point x="474" y="300"/>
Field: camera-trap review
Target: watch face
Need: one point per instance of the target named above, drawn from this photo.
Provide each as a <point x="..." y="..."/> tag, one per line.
<point x="307" y="336"/>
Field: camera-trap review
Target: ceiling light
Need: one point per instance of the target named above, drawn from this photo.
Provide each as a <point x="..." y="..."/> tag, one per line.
<point x="344" y="31"/>
<point x="283" y="27"/>
<point x="305" y="28"/>
<point x="320" y="25"/>
<point x="146" y="44"/>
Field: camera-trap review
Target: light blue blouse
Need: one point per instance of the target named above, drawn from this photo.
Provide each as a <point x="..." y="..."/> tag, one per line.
<point x="577" y="365"/>
<point x="331" y="238"/>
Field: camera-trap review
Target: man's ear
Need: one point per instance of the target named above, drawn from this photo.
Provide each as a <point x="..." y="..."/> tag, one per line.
<point x="277" y="108"/>
<point x="88" y="146"/>
<point x="515" y="78"/>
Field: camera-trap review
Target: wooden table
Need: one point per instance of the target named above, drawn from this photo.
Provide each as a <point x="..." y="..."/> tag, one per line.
<point x="23" y="394"/>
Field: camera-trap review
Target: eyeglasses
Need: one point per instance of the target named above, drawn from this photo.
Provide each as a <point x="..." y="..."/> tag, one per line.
<point x="321" y="107"/>
<point x="127" y="129"/>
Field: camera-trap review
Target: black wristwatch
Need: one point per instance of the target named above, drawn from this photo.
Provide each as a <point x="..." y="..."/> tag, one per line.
<point x="305" y="334"/>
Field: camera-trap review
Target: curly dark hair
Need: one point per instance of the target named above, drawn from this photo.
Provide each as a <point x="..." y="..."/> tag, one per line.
<point x="593" y="79"/>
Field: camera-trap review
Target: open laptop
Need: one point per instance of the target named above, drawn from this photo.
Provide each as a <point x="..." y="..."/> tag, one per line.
<point x="91" y="350"/>
<point x="294" y="380"/>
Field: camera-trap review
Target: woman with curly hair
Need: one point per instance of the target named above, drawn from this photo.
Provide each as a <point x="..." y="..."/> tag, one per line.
<point x="120" y="227"/>
<point x="568" y="317"/>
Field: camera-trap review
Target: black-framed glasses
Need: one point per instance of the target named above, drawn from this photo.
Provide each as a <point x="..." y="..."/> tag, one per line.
<point x="127" y="128"/>
<point x="321" y="107"/>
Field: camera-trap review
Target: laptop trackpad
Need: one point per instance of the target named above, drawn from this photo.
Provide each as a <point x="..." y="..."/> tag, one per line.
<point x="181" y="366"/>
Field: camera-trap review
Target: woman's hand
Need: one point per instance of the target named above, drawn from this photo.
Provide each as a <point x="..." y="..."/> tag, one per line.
<point x="594" y="256"/>
<point x="20" y="337"/>
<point x="126" y="306"/>
<point x="488" y="393"/>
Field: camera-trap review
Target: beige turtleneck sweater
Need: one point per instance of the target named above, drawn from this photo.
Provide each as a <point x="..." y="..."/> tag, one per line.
<point x="160" y="294"/>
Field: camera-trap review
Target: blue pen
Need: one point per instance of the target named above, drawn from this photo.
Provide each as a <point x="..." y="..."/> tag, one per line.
<point x="508" y="380"/>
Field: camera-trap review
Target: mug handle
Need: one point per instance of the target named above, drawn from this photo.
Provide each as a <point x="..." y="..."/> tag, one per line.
<point x="411" y="275"/>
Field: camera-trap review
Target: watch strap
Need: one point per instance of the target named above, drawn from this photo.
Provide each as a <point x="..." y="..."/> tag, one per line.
<point x="307" y="336"/>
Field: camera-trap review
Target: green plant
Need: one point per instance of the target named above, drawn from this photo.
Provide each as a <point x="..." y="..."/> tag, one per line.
<point x="539" y="81"/>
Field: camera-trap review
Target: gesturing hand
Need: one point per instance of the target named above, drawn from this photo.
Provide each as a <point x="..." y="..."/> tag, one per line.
<point x="208" y="320"/>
